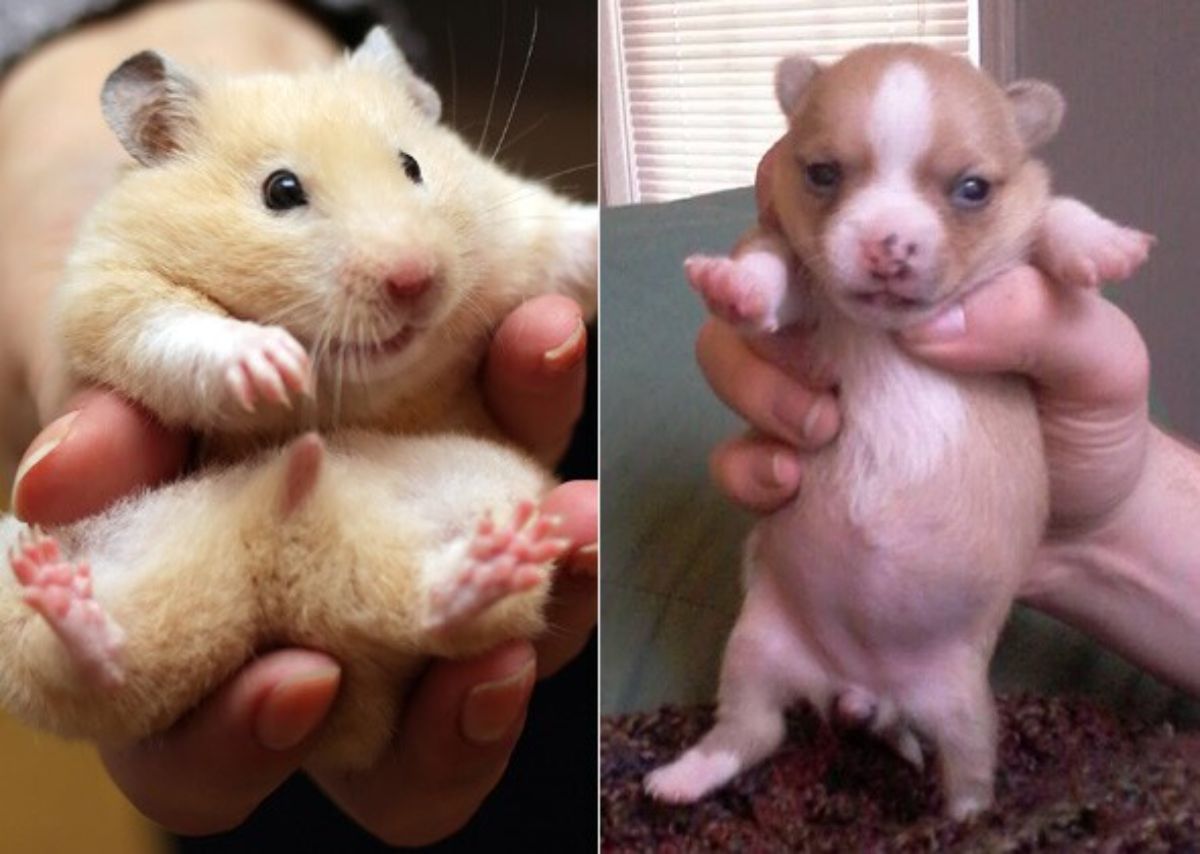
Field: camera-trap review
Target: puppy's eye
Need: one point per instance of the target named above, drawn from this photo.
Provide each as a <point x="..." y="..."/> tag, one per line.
<point x="411" y="167"/>
<point x="823" y="177"/>
<point x="283" y="191"/>
<point x="970" y="191"/>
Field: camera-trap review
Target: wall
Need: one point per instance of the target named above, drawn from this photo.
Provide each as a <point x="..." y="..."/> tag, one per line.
<point x="1130" y="73"/>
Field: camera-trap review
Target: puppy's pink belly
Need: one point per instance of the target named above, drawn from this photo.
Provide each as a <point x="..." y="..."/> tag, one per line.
<point x="876" y="617"/>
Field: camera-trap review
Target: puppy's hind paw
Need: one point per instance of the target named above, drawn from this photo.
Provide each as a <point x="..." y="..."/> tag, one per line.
<point x="691" y="776"/>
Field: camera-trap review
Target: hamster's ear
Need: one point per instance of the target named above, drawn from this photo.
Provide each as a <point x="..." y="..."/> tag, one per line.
<point x="379" y="52"/>
<point x="149" y="102"/>
<point x="1038" y="108"/>
<point x="793" y="75"/>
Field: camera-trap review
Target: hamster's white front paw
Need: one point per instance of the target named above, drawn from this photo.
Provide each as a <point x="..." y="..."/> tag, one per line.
<point x="265" y="363"/>
<point x="1078" y="247"/>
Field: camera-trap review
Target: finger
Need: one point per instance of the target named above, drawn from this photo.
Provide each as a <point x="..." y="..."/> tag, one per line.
<point x="1071" y="342"/>
<point x="102" y="450"/>
<point x="762" y="393"/>
<point x="451" y="748"/>
<point x="571" y="615"/>
<point x="536" y="373"/>
<point x="213" y="768"/>
<point x="756" y="472"/>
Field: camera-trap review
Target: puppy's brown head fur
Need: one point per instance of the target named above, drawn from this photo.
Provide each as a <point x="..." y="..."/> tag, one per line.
<point x="906" y="177"/>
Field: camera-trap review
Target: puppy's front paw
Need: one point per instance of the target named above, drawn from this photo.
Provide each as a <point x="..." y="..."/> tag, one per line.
<point x="1079" y="247"/>
<point x="729" y="288"/>
<point x="265" y="363"/>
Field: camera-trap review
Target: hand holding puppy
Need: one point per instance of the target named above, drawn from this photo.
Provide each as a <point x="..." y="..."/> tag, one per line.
<point x="1125" y="496"/>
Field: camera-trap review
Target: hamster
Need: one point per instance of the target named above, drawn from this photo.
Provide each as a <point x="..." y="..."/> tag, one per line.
<point x="114" y="627"/>
<point x="904" y="181"/>
<point x="304" y="251"/>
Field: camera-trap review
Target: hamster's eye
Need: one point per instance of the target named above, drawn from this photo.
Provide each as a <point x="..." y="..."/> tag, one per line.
<point x="283" y="191"/>
<point x="970" y="191"/>
<point x="823" y="177"/>
<point x="411" y="167"/>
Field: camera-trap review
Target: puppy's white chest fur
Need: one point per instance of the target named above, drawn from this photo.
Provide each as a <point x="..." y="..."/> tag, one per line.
<point x="902" y="419"/>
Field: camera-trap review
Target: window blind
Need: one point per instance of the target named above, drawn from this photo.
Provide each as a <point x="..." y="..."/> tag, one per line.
<point x="695" y="88"/>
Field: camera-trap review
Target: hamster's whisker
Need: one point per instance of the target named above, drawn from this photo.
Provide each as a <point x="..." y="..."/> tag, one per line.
<point x="368" y="333"/>
<point x="520" y="86"/>
<point x="569" y="170"/>
<point x="541" y="120"/>
<point x="324" y="340"/>
<point x="453" y="74"/>
<point x="341" y="369"/>
<point x="487" y="121"/>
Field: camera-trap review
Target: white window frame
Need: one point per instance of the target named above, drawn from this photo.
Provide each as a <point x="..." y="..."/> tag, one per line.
<point x="993" y="46"/>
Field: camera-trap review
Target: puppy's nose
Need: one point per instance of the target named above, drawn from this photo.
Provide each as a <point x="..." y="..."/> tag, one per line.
<point x="407" y="282"/>
<point x="889" y="256"/>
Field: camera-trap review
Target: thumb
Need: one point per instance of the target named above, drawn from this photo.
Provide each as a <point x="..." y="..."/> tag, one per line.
<point x="1070" y="342"/>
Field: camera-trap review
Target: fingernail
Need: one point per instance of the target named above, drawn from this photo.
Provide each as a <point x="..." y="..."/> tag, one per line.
<point x="50" y="439"/>
<point x="296" y="707"/>
<point x="568" y="353"/>
<point x="585" y="560"/>
<point x="785" y="469"/>
<point x="950" y="324"/>
<point x="809" y="427"/>
<point x="493" y="708"/>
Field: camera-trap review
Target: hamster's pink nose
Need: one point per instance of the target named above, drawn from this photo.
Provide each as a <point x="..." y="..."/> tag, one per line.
<point x="407" y="283"/>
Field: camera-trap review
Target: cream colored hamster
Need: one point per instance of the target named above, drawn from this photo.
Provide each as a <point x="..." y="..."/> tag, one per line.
<point x="293" y="252"/>
<point x="290" y="236"/>
<point x="905" y="180"/>
<point x="379" y="550"/>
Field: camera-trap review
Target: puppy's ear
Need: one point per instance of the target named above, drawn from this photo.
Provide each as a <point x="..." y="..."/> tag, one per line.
<point x="380" y="53"/>
<point x="793" y="75"/>
<point x="150" y="102"/>
<point x="1038" y="108"/>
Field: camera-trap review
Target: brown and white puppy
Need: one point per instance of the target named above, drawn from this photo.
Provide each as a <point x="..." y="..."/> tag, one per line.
<point x="904" y="182"/>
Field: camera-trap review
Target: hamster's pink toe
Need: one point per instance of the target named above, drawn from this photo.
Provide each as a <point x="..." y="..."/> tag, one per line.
<point x="501" y="560"/>
<point x="61" y="592"/>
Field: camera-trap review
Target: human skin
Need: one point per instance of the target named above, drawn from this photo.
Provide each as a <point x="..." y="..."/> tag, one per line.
<point x="213" y="768"/>
<point x="1120" y="560"/>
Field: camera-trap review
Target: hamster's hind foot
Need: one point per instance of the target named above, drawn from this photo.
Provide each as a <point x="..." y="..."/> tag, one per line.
<point x="500" y="561"/>
<point x="62" y="593"/>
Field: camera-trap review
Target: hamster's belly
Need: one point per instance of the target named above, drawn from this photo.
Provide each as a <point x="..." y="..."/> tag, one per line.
<point x="880" y="571"/>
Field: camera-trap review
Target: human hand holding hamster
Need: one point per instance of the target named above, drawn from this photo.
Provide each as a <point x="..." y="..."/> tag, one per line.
<point x="1118" y="516"/>
<point x="214" y="767"/>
